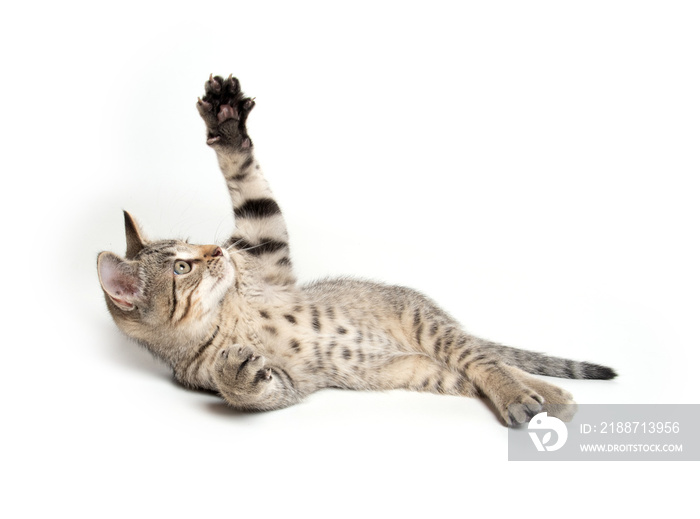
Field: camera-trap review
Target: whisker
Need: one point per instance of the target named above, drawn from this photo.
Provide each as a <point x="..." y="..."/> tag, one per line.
<point x="234" y="244"/>
<point x="251" y="247"/>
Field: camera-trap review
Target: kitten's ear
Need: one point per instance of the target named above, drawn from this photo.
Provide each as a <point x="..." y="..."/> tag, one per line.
<point x="134" y="237"/>
<point x="120" y="280"/>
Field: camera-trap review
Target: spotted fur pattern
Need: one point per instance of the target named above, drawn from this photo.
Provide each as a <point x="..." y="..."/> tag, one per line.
<point x="233" y="319"/>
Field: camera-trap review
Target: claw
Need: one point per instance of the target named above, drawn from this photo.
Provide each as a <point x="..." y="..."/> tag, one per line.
<point x="212" y="140"/>
<point x="214" y="83"/>
<point x="232" y="86"/>
<point x="204" y="105"/>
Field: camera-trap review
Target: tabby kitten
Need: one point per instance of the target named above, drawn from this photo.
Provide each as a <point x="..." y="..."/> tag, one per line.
<point x="233" y="319"/>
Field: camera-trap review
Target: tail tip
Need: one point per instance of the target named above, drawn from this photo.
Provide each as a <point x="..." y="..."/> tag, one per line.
<point x="598" y="372"/>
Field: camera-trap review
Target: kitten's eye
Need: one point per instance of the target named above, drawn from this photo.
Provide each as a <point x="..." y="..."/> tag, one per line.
<point x="181" y="267"/>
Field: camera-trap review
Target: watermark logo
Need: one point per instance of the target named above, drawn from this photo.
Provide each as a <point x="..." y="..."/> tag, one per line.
<point x="609" y="432"/>
<point x="541" y="423"/>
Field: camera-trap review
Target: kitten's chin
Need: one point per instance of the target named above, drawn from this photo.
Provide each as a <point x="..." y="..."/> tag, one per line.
<point x="223" y="283"/>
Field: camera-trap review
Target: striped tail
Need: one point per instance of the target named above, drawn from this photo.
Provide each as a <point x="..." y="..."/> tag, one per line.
<point x="541" y="364"/>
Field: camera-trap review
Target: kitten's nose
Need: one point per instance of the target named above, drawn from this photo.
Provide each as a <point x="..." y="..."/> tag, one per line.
<point x="217" y="252"/>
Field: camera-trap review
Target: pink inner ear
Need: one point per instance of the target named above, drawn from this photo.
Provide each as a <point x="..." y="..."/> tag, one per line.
<point x="121" y="302"/>
<point x="119" y="280"/>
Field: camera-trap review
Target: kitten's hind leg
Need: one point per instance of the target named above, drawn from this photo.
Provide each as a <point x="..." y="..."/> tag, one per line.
<point x="557" y="401"/>
<point x="514" y="401"/>
<point x="516" y="395"/>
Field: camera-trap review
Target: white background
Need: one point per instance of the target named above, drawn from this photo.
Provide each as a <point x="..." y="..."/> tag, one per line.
<point x="530" y="165"/>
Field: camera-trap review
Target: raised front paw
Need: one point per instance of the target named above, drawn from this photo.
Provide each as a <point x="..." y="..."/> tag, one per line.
<point x="225" y="109"/>
<point x="239" y="370"/>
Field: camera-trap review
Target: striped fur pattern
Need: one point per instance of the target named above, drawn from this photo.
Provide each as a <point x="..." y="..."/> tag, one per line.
<point x="232" y="317"/>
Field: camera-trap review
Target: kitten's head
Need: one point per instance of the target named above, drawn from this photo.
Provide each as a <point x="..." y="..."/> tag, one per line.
<point x="164" y="289"/>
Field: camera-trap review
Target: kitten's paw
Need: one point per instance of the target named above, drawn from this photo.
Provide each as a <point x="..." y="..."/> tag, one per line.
<point x="521" y="408"/>
<point x="240" y="370"/>
<point x="224" y="109"/>
<point x="554" y="400"/>
<point x="557" y="402"/>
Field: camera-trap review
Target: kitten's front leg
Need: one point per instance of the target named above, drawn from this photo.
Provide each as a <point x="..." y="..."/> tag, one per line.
<point x="260" y="227"/>
<point x="246" y="381"/>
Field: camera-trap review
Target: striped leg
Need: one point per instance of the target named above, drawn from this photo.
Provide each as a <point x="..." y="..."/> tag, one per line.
<point x="260" y="228"/>
<point x="488" y="367"/>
